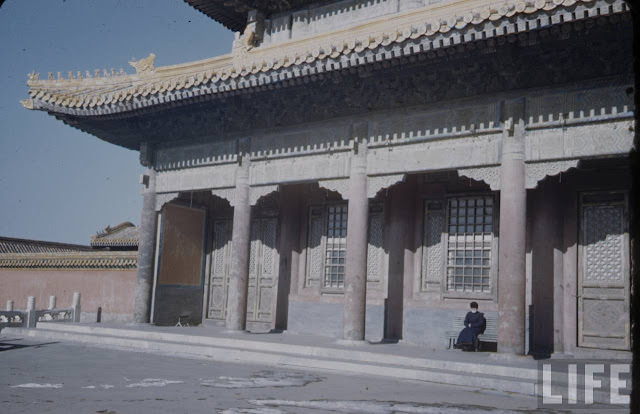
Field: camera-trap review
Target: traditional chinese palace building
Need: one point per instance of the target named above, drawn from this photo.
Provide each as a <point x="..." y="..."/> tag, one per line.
<point x="365" y="169"/>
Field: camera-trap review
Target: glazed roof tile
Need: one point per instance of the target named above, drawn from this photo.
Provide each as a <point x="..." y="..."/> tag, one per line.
<point x="13" y="245"/>
<point x="87" y="260"/>
<point x="123" y="235"/>
<point x="436" y="26"/>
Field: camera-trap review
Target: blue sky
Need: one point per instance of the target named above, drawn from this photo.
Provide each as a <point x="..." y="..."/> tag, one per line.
<point x="57" y="183"/>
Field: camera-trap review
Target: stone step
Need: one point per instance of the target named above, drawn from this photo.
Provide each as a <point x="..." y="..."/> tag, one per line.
<point x="291" y="356"/>
<point x="495" y="366"/>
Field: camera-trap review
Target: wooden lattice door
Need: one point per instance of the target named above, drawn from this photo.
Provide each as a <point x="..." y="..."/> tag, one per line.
<point x="263" y="274"/>
<point x="603" y="280"/>
<point x="219" y="275"/>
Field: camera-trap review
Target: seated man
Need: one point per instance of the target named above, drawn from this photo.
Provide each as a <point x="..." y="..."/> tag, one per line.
<point x="474" y="324"/>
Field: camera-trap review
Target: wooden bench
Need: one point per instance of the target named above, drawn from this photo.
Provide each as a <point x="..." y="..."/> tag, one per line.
<point x="490" y="333"/>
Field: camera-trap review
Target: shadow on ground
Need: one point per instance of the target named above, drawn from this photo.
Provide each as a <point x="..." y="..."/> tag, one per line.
<point x="8" y="346"/>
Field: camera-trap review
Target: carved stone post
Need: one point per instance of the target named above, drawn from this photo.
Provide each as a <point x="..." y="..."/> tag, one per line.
<point x="511" y="269"/>
<point x="9" y="305"/>
<point x="76" y="307"/>
<point x="52" y="302"/>
<point x="240" y="239"/>
<point x="355" y="283"/>
<point x="146" y="248"/>
<point x="31" y="312"/>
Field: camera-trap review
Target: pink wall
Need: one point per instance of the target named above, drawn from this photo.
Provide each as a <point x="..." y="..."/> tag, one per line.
<point x="110" y="289"/>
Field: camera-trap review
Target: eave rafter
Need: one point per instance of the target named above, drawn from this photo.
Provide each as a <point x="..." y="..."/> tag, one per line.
<point x="426" y="31"/>
<point x="233" y="13"/>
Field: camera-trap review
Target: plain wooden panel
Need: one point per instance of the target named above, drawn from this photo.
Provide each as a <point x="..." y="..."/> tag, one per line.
<point x="182" y="249"/>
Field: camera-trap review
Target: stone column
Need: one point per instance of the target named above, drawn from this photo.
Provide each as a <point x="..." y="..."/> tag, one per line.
<point x="569" y="269"/>
<point x="146" y="248"/>
<point x="355" y="283"/>
<point x="558" y="274"/>
<point x="512" y="250"/>
<point x="52" y="302"/>
<point x="240" y="240"/>
<point x="10" y="306"/>
<point x="289" y="250"/>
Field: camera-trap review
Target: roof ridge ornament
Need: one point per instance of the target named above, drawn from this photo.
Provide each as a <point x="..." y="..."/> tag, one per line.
<point x="110" y="230"/>
<point x="27" y="103"/>
<point x="144" y="66"/>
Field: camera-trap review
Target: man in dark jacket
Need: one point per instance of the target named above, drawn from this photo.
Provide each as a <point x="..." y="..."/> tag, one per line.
<point x="474" y="324"/>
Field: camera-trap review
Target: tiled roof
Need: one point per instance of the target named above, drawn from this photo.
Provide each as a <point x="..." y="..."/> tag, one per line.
<point x="426" y="30"/>
<point x="91" y="260"/>
<point x="123" y="235"/>
<point x="12" y="245"/>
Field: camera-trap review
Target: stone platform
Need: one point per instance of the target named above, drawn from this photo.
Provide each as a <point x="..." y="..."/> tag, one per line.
<point x="396" y="361"/>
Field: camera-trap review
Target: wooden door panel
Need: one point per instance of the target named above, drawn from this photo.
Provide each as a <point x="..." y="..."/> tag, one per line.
<point x="179" y="286"/>
<point x="254" y="268"/>
<point x="219" y="275"/>
<point x="263" y="267"/>
<point x="603" y="283"/>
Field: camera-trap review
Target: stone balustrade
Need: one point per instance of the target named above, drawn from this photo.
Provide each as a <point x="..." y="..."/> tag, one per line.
<point x="30" y="316"/>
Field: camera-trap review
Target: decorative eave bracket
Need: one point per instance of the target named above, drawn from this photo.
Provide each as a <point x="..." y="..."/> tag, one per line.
<point x="538" y="171"/>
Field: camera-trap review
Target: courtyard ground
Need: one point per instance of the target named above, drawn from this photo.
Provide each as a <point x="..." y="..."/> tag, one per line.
<point x="55" y="377"/>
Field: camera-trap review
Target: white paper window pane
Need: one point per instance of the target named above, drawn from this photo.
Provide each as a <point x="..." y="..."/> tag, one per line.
<point x="469" y="244"/>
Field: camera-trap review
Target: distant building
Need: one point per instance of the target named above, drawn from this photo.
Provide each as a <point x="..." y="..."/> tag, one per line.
<point x="104" y="272"/>
<point x="122" y="237"/>
<point x="365" y="169"/>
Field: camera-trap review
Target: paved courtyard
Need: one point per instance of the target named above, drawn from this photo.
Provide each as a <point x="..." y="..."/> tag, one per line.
<point x="68" y="378"/>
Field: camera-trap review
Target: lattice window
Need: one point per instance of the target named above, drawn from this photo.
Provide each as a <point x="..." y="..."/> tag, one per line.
<point x="336" y="246"/>
<point x="327" y="244"/>
<point x="433" y="249"/>
<point x="315" y="252"/>
<point x="470" y="237"/>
